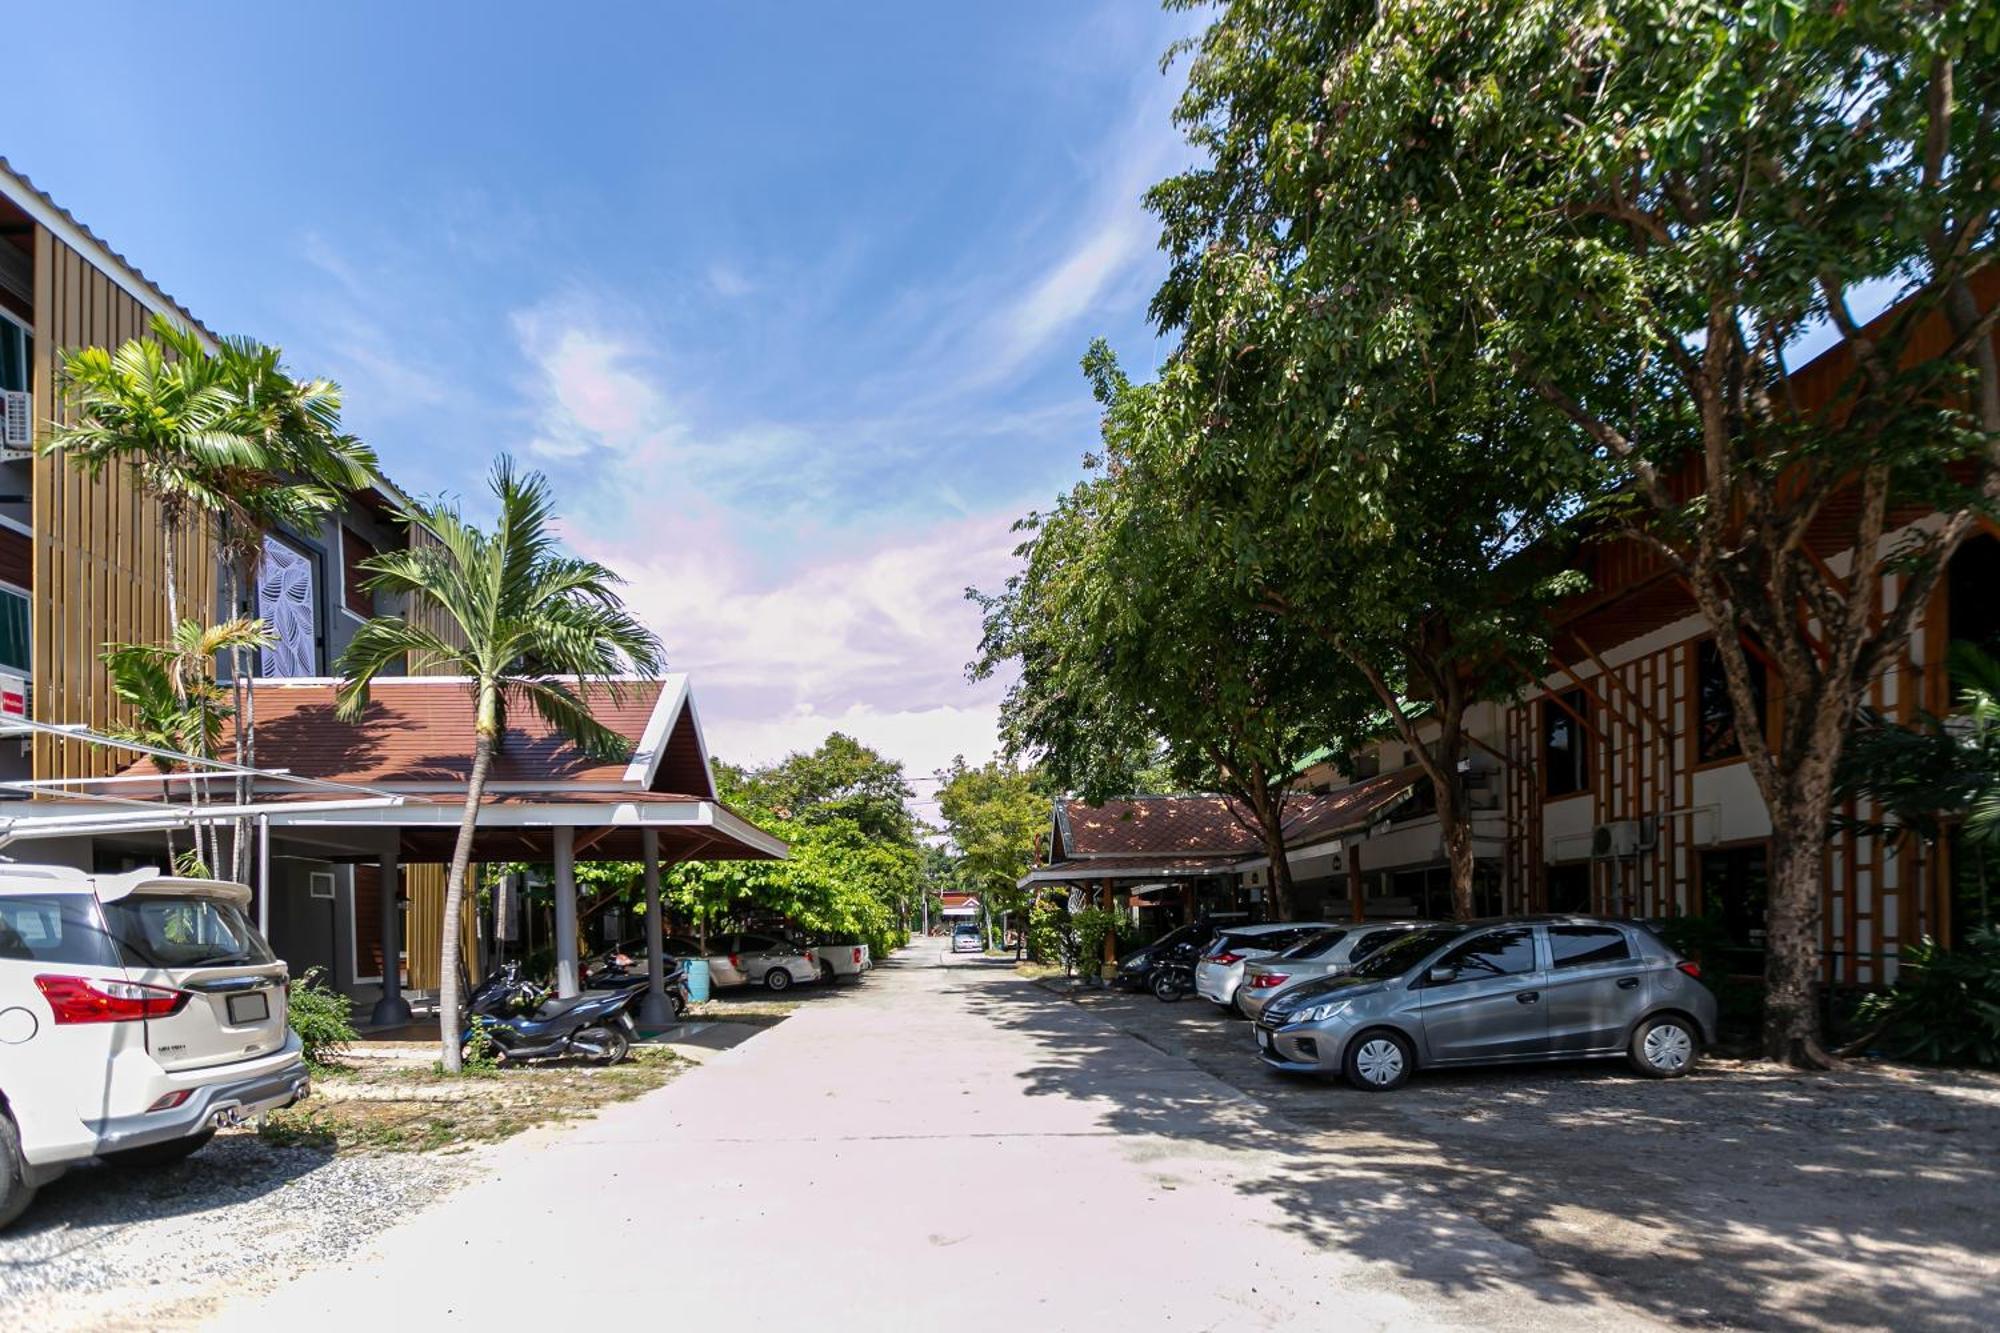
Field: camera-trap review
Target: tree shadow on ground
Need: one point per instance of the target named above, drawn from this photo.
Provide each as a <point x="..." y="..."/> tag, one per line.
<point x="1743" y="1196"/>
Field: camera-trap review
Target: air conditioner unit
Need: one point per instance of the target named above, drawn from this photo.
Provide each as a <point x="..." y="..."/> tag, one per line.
<point x="17" y="421"/>
<point x="1623" y="838"/>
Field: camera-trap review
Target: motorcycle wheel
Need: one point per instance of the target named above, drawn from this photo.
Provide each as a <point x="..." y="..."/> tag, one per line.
<point x="1167" y="989"/>
<point x="600" y="1046"/>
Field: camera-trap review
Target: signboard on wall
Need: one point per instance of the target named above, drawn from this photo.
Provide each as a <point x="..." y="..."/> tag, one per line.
<point x="13" y="696"/>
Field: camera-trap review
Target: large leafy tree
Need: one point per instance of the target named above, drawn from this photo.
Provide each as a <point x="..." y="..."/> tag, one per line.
<point x="535" y="628"/>
<point x="1654" y="210"/>
<point x="994" y="814"/>
<point x="1133" y="640"/>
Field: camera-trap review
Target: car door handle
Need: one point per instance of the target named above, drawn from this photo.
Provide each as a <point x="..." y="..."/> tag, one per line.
<point x="1628" y="983"/>
<point x="1528" y="997"/>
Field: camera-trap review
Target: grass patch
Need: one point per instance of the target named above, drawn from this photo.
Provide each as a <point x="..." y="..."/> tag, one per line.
<point x="1038" y="971"/>
<point x="421" y="1110"/>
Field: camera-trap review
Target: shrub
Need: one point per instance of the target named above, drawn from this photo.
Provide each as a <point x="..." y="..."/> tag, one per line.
<point x="322" y="1018"/>
<point x="1945" y="1005"/>
<point x="1091" y="926"/>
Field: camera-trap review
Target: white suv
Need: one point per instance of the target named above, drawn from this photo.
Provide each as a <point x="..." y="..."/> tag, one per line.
<point x="137" y="1013"/>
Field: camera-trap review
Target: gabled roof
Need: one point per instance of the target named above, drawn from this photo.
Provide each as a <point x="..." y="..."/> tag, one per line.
<point x="417" y="735"/>
<point x="1154" y="826"/>
<point x="1348" y="809"/>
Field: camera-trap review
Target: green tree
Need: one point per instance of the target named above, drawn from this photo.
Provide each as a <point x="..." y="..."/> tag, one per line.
<point x="995" y="814"/>
<point x="1651" y="209"/>
<point x="536" y="628"/>
<point x="1135" y="642"/>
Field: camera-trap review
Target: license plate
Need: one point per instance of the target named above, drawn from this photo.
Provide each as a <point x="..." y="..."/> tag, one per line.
<point x="1263" y="1039"/>
<point x="249" y="1008"/>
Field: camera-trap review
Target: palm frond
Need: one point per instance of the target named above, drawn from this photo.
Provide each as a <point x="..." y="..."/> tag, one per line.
<point x="382" y="644"/>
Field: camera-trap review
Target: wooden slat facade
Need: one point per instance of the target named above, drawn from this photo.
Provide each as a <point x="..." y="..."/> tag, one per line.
<point x="98" y="562"/>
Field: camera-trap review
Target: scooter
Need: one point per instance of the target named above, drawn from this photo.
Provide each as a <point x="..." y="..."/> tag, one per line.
<point x="524" y="1024"/>
<point x="1173" y="977"/>
<point x="617" y="973"/>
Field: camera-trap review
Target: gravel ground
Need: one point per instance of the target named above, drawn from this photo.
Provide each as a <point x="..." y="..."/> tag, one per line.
<point x="1748" y="1195"/>
<point x="104" y="1247"/>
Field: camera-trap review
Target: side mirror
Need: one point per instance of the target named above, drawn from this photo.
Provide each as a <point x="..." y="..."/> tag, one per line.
<point x="1438" y="976"/>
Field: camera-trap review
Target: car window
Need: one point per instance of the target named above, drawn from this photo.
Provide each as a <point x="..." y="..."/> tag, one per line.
<point x="168" y="930"/>
<point x="1316" y="945"/>
<point x="1372" y="940"/>
<point x="54" y="928"/>
<point x="674" y="948"/>
<point x="1404" y="952"/>
<point x="755" y="944"/>
<point x="1580" y="946"/>
<point x="1496" y="953"/>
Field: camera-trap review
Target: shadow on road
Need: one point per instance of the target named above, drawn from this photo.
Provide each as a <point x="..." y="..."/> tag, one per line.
<point x="1747" y="1196"/>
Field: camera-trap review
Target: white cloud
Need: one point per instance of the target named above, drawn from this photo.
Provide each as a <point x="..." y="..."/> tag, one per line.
<point x="728" y="281"/>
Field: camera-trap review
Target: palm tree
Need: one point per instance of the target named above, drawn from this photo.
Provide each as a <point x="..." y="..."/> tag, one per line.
<point x="160" y="406"/>
<point x="534" y="626"/>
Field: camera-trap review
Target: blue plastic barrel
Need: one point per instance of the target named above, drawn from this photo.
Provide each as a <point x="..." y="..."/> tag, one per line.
<point x="697" y="979"/>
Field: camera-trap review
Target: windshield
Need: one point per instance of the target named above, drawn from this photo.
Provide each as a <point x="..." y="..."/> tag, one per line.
<point x="171" y="931"/>
<point x="1313" y="946"/>
<point x="1400" y="955"/>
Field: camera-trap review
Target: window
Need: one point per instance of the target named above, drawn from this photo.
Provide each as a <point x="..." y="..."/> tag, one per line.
<point x="1372" y="941"/>
<point x="285" y="601"/>
<point x="1568" y="887"/>
<point x="172" y="931"/>
<point x="1715" y="721"/>
<point x="1565" y="746"/>
<point x="1735" y="882"/>
<point x="1314" y="946"/>
<point x="54" y="928"/>
<point x="15" y="643"/>
<point x="16" y="355"/>
<point x="355" y="596"/>
<point x="1497" y="953"/>
<point x="1580" y="946"/>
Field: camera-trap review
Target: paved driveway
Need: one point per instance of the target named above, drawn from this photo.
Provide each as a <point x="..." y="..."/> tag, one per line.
<point x="945" y="1146"/>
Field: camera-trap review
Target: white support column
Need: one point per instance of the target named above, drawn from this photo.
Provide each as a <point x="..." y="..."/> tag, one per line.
<point x="568" y="981"/>
<point x="264" y="877"/>
<point x="392" y="1009"/>
<point x="654" y="1009"/>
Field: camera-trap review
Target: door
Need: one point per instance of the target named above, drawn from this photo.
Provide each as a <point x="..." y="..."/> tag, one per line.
<point x="1486" y="1004"/>
<point x="201" y="942"/>
<point x="1594" y="987"/>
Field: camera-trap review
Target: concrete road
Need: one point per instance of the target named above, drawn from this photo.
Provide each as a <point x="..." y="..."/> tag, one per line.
<point x="944" y="1146"/>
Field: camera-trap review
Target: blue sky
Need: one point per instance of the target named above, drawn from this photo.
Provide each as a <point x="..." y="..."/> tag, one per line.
<point x="787" y="299"/>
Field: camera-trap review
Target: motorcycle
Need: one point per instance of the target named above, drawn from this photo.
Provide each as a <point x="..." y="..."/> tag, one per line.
<point x="1173" y="977"/>
<point x="616" y="972"/>
<point x="524" y="1023"/>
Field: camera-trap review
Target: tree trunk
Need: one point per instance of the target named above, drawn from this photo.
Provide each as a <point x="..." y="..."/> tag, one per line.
<point x="1455" y="826"/>
<point x="1792" y="942"/>
<point x="1282" y="906"/>
<point x="170" y="565"/>
<point x="449" y="1027"/>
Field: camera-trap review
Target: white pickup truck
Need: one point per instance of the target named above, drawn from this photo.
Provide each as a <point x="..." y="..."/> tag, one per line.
<point x="841" y="957"/>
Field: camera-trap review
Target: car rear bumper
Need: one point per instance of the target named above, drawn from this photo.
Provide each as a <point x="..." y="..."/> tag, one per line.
<point x="223" y="1103"/>
<point x="1217" y="984"/>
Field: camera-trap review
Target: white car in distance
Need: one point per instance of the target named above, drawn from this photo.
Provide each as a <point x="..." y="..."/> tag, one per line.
<point x="137" y="1013"/>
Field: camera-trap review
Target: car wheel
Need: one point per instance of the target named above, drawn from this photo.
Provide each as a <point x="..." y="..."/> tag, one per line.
<point x="1665" y="1047"/>
<point x="777" y="979"/>
<point x="1379" y="1061"/>
<point x="15" y="1191"/>
<point x="160" y="1154"/>
<point x="601" y="1046"/>
<point x="827" y="974"/>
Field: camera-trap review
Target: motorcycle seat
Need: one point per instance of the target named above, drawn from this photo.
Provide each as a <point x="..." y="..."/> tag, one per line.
<point x="553" y="1008"/>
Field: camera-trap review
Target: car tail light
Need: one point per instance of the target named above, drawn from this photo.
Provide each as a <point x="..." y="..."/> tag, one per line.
<point x="1691" y="967"/>
<point x="857" y="958"/>
<point x="1227" y="958"/>
<point x="735" y="962"/>
<point x="1266" y="980"/>
<point x="97" y="1000"/>
<point x="171" y="1100"/>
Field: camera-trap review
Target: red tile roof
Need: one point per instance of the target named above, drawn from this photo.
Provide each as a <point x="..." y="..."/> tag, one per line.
<point x="1345" y="809"/>
<point x="1180" y="826"/>
<point x="420" y="730"/>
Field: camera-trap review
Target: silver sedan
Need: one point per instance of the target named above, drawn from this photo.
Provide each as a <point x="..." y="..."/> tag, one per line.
<point x="1524" y="989"/>
<point x="1331" y="953"/>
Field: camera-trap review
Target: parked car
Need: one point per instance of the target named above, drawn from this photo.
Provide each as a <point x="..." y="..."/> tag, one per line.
<point x="1330" y="953"/>
<point x="1135" y="969"/>
<point x="1220" y="970"/>
<point x="968" y="938"/>
<point x="137" y="1013"/>
<point x="841" y="957"/>
<point x="1496" y="992"/>
<point x="742" y="960"/>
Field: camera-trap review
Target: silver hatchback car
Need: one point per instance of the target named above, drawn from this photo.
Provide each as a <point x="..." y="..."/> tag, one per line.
<point x="1328" y="953"/>
<point x="1496" y="992"/>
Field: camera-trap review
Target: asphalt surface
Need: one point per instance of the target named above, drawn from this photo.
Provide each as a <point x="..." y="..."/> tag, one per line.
<point x="943" y="1145"/>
